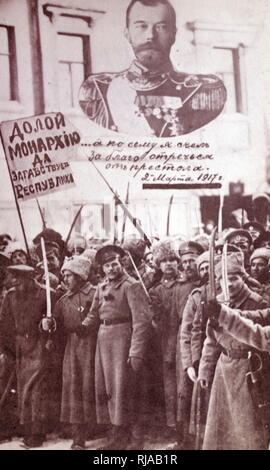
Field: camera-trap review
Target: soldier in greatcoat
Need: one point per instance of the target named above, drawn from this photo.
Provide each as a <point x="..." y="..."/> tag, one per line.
<point x="22" y="336"/>
<point x="232" y="422"/>
<point x="167" y="316"/>
<point x="121" y="308"/>
<point x="189" y="252"/>
<point x="78" y="388"/>
<point x="191" y="343"/>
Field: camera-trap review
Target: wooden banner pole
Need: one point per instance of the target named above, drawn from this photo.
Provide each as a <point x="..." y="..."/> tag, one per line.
<point x="16" y="202"/>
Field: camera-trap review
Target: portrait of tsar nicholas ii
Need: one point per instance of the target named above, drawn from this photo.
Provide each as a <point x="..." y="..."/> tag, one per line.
<point x="151" y="98"/>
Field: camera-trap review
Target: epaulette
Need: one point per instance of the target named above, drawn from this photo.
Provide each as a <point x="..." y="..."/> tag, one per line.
<point x="12" y="289"/>
<point x="105" y="77"/>
<point x="196" y="290"/>
<point x="131" y="280"/>
<point x="62" y="297"/>
<point x="191" y="80"/>
<point x="255" y="297"/>
<point x="210" y="94"/>
<point x="92" y="97"/>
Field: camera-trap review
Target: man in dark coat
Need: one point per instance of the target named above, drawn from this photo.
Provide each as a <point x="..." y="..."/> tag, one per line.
<point x="78" y="390"/>
<point x="121" y="308"/>
<point x="21" y="334"/>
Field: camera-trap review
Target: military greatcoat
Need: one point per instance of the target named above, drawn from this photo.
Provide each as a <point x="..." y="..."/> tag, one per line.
<point x="78" y="389"/>
<point x="122" y="310"/>
<point x="232" y="423"/>
<point x="35" y="364"/>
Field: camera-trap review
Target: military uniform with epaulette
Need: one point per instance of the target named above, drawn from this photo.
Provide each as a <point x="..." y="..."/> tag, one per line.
<point x="168" y="299"/>
<point x="121" y="310"/>
<point x="23" y="340"/>
<point x="232" y="420"/>
<point x="162" y="104"/>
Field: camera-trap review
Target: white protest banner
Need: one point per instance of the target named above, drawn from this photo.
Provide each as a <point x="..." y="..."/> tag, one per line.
<point x="38" y="150"/>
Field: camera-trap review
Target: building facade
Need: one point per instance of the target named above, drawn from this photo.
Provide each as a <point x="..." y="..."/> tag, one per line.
<point x="48" y="49"/>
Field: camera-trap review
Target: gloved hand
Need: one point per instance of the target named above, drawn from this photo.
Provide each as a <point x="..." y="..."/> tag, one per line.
<point x="136" y="364"/>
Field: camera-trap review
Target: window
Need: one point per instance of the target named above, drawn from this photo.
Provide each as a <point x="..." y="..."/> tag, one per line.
<point x="73" y="67"/>
<point x="227" y="67"/>
<point x="8" y="70"/>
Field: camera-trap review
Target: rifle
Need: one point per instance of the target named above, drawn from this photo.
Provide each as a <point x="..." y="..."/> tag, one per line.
<point x="134" y="221"/>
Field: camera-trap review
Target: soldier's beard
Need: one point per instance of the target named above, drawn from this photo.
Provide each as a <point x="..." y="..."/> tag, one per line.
<point x="151" y="57"/>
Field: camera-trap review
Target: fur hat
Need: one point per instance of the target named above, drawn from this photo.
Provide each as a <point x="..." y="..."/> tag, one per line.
<point x="203" y="240"/>
<point x="203" y="258"/>
<point x="164" y="249"/>
<point x="77" y="241"/>
<point x="261" y="253"/>
<point x="77" y="265"/>
<point x="136" y="247"/>
<point x="89" y="254"/>
<point x="235" y="265"/>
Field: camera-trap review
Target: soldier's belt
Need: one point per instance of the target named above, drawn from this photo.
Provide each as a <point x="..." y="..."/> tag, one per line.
<point x="115" y="321"/>
<point x="235" y="353"/>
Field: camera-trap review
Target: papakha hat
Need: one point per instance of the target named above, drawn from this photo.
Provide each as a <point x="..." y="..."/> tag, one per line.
<point x="77" y="265"/>
<point x="235" y="265"/>
<point x="164" y="249"/>
<point x="260" y="253"/>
